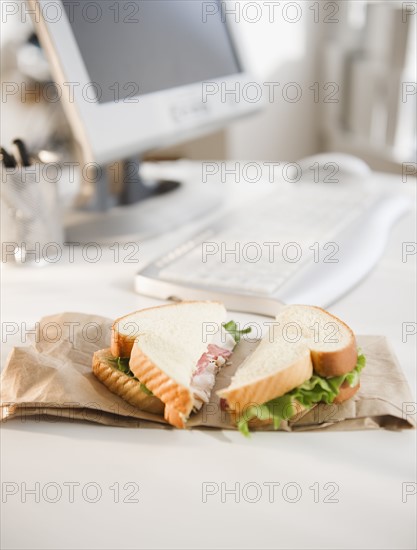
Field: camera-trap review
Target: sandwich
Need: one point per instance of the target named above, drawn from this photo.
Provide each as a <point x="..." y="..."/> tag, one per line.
<point x="165" y="359"/>
<point x="309" y="356"/>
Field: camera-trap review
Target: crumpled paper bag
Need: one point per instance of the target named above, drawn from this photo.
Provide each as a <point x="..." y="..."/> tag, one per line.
<point x="52" y="379"/>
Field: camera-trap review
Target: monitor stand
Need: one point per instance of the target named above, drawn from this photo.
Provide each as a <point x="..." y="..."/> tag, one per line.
<point x="140" y="210"/>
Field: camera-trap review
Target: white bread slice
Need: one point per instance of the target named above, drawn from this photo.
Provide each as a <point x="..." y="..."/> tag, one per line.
<point x="302" y="339"/>
<point x="158" y="318"/>
<point x="123" y="385"/>
<point x="170" y="341"/>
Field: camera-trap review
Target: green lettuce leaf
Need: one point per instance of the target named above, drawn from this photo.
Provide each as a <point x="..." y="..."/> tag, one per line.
<point x="122" y="364"/>
<point x="233" y="329"/>
<point x="315" y="390"/>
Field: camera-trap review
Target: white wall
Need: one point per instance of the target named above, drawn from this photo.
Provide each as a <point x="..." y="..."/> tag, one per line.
<point x="281" y="52"/>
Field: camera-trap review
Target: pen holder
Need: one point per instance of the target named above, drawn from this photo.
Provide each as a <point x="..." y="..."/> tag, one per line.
<point x="31" y="229"/>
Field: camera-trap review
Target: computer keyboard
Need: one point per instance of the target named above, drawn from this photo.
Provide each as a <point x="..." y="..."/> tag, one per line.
<point x="234" y="255"/>
<point x="302" y="242"/>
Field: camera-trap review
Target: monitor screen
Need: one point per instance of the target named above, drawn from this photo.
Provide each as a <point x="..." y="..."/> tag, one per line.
<point x="133" y="48"/>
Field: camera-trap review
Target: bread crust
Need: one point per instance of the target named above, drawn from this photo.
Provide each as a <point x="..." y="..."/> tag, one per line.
<point x="122" y="345"/>
<point x="338" y="362"/>
<point x="178" y="399"/>
<point x="269" y="387"/>
<point x="346" y="392"/>
<point x="123" y="385"/>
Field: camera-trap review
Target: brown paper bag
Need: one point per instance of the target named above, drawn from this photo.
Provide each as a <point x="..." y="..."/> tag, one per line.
<point x="52" y="379"/>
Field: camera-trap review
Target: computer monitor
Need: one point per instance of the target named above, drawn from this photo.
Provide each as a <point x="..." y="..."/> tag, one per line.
<point x="138" y="75"/>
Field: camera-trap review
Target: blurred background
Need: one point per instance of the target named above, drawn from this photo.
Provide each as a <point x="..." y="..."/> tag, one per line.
<point x="338" y="76"/>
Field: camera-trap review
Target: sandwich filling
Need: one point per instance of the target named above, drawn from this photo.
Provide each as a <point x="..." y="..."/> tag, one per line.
<point x="217" y="355"/>
<point x="204" y="376"/>
<point x="315" y="390"/>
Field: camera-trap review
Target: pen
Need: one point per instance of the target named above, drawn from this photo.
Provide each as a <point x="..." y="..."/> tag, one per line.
<point x="8" y="160"/>
<point x="22" y="152"/>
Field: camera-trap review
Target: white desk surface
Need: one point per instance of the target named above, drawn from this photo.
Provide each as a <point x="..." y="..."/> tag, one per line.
<point x="170" y="467"/>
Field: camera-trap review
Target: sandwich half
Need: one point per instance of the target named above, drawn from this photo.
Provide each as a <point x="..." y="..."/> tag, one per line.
<point x="178" y="360"/>
<point x="174" y="352"/>
<point x="309" y="356"/>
